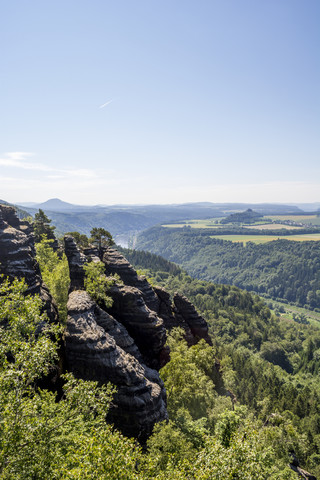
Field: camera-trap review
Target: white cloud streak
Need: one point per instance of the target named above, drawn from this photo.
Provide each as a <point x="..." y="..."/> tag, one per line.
<point x="107" y="103"/>
<point x="19" y="160"/>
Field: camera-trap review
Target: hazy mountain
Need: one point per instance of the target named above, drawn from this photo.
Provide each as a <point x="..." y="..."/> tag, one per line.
<point x="53" y="204"/>
<point x="125" y="221"/>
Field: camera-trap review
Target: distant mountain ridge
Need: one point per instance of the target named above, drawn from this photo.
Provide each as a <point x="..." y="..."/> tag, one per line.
<point x="125" y="221"/>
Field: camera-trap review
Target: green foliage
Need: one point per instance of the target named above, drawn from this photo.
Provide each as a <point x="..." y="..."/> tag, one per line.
<point x="55" y="273"/>
<point x="282" y="269"/>
<point x="80" y="238"/>
<point x="169" y="445"/>
<point x="101" y="237"/>
<point x="41" y="226"/>
<point x="40" y="437"/>
<point x="97" y="284"/>
<point x="249" y="216"/>
<point x="147" y="260"/>
<point x="187" y="378"/>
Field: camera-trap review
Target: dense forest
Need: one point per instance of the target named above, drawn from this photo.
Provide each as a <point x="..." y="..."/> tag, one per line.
<point x="281" y="269"/>
<point x="249" y="216"/>
<point x="270" y="365"/>
<point x="243" y="408"/>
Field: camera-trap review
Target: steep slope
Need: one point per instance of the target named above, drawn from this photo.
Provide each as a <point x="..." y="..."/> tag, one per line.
<point x="282" y="269"/>
<point x="17" y="257"/>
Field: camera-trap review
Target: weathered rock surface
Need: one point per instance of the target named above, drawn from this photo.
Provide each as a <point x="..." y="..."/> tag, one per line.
<point x="17" y="257"/>
<point x="118" y="345"/>
<point x="143" y="324"/>
<point x="117" y="264"/>
<point x="125" y="342"/>
<point x="197" y="324"/>
<point x="179" y="314"/>
<point x="92" y="351"/>
<point x="76" y="261"/>
<point x="130" y="307"/>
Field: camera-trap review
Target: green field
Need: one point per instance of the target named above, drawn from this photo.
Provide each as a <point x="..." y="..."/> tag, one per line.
<point x="305" y="219"/>
<point x="267" y="238"/>
<point x="290" y="310"/>
<point x="261" y="224"/>
<point x="202" y="223"/>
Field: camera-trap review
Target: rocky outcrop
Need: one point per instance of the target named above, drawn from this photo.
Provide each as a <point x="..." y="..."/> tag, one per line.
<point x="117" y="264"/>
<point x="295" y="466"/>
<point x="132" y="298"/>
<point x="124" y="344"/>
<point x="76" y="261"/>
<point x="143" y="324"/>
<point x="93" y="352"/>
<point x="17" y="257"/>
<point x="197" y="325"/>
<point x="179" y="314"/>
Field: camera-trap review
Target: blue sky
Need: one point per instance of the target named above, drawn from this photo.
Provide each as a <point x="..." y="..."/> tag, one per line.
<point x="146" y="101"/>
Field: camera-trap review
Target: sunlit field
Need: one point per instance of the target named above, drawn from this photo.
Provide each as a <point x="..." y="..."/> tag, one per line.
<point x="306" y="219"/>
<point x="267" y="238"/>
<point x="272" y="226"/>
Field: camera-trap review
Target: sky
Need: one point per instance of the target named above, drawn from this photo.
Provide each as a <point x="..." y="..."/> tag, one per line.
<point x="171" y="101"/>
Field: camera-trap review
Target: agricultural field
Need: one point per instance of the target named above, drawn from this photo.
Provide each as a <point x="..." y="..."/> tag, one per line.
<point x="289" y="312"/>
<point x="267" y="238"/>
<point x="265" y="223"/>
<point x="202" y="223"/>
<point x="305" y="219"/>
<point x="272" y="226"/>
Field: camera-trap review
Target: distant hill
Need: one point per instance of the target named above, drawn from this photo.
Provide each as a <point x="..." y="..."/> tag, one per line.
<point x="249" y="216"/>
<point x="55" y="205"/>
<point x="125" y="221"/>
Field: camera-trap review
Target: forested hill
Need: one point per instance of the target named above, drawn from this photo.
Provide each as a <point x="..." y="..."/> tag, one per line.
<point x="282" y="269"/>
<point x="270" y="364"/>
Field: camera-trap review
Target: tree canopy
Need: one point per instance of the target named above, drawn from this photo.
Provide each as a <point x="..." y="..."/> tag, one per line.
<point x="41" y="226"/>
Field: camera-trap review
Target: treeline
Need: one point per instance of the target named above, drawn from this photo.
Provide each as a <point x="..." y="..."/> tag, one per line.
<point x="249" y="216"/>
<point x="271" y="405"/>
<point x="281" y="269"/>
<point x="239" y="230"/>
<point x="269" y="364"/>
<point x="149" y="260"/>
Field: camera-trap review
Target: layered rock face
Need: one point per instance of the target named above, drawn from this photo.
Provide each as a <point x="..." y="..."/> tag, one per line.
<point x="99" y="348"/>
<point x="125" y="344"/>
<point x="179" y="314"/>
<point x="197" y="325"/>
<point x="117" y="264"/>
<point x="114" y="346"/>
<point x="17" y="257"/>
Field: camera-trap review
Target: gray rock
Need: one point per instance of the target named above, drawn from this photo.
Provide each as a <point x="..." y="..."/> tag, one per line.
<point x="92" y="353"/>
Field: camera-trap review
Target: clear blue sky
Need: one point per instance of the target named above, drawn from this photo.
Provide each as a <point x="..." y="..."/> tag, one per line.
<point x="145" y="101"/>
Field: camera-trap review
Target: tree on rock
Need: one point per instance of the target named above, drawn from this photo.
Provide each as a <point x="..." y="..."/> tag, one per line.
<point x="41" y="227"/>
<point x="101" y="237"/>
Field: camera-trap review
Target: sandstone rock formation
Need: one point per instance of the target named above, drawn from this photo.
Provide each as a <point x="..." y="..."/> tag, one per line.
<point x="129" y="301"/>
<point x="179" y="314"/>
<point x="117" y="264"/>
<point x="125" y="344"/>
<point x="198" y="326"/>
<point x="17" y="257"/>
<point x="93" y="352"/>
<point x="114" y="346"/>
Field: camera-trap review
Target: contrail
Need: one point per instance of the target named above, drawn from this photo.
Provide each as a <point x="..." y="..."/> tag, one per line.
<point x="105" y="104"/>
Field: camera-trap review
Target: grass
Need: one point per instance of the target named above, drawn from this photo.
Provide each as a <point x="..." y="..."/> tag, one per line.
<point x="306" y="219"/>
<point x="272" y="226"/>
<point x="202" y="223"/>
<point x="290" y="310"/>
<point x="268" y="238"/>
